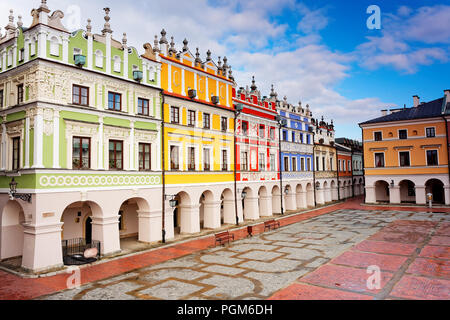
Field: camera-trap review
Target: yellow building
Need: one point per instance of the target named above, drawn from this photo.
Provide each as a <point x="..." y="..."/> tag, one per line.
<point x="198" y="139"/>
<point x="406" y="156"/>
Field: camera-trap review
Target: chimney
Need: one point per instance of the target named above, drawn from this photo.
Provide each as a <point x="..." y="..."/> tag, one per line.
<point x="447" y="96"/>
<point x="416" y="100"/>
<point x="384" y="112"/>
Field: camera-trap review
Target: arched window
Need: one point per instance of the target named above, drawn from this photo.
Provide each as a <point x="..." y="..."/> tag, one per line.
<point x="54" y="47"/>
<point x="33" y="47"/>
<point x="98" y="59"/>
<point x="117" y="64"/>
<point x="10" y="57"/>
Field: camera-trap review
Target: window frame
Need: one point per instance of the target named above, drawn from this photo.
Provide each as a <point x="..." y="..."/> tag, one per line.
<point x="175" y="116"/>
<point x="15" y="164"/>
<point x="244" y="164"/>
<point x="1" y="97"/>
<point x="375" y="160"/>
<point x="115" y="94"/>
<point x="20" y="93"/>
<point x="375" y="136"/>
<point x="206" y="123"/>
<point x="191" y="156"/>
<point x="206" y="167"/>
<point x="402" y="130"/>
<point x="76" y="86"/>
<point x="224" y="160"/>
<point x="223" y="124"/>
<point x="244" y="132"/>
<point x="262" y="161"/>
<point x="172" y="167"/>
<point x="80" y="156"/>
<point x="143" y="100"/>
<point x="400" y="161"/>
<point x="437" y="157"/>
<point x="144" y="144"/>
<point x="434" y="132"/>
<point x="115" y="158"/>
<point x="191" y="120"/>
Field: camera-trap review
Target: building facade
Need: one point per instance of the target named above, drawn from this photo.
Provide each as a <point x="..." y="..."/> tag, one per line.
<point x="344" y="169"/>
<point x="80" y="134"/>
<point x="297" y="162"/>
<point x="357" y="164"/>
<point x="325" y="155"/>
<point x="406" y="154"/>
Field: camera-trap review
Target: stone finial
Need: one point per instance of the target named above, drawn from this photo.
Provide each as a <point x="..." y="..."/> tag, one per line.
<point x="172" y="49"/>
<point x="230" y="74"/>
<point x="43" y="7"/>
<point x="19" y="21"/>
<point x="185" y="45"/>
<point x="89" y="27"/>
<point x="107" y="26"/>
<point x="219" y="63"/>
<point x="225" y="64"/>
<point x="163" y="37"/>
<point x="197" y="57"/>
<point x="10" y="25"/>
<point x="253" y="86"/>
<point x="273" y="94"/>
<point x="208" y="55"/>
<point x="156" y="44"/>
<point x="124" y="39"/>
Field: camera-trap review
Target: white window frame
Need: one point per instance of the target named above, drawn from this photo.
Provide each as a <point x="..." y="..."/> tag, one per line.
<point x="117" y="64"/>
<point x="430" y="128"/>
<point x="54" y="46"/>
<point x="211" y="160"/>
<point x="377" y="132"/>
<point x="432" y="165"/>
<point x="398" y="134"/>
<point x="409" y="152"/>
<point x="98" y="58"/>
<point x="180" y="157"/>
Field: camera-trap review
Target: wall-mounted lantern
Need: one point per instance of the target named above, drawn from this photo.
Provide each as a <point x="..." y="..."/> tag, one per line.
<point x="14" y="195"/>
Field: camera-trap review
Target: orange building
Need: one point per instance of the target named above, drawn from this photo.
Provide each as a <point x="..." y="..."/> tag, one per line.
<point x="406" y="154"/>
<point x="344" y="158"/>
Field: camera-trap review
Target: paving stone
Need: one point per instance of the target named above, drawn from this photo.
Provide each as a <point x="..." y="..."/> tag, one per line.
<point x="182" y="274"/>
<point x="260" y="255"/>
<point x="228" y="287"/>
<point x="317" y="262"/>
<point x="421" y="288"/>
<point x="66" y="294"/>
<point x="365" y="259"/>
<point x="187" y="262"/>
<point x="288" y="244"/>
<point x="275" y="281"/>
<point x="131" y="275"/>
<point x="302" y="291"/>
<point x="171" y="290"/>
<point x="251" y="246"/>
<point x="386" y="247"/>
<point x="300" y="253"/>
<point x="216" y="259"/>
<point x="437" y="252"/>
<point x="279" y="265"/>
<point x="116" y="291"/>
<point x="430" y="267"/>
<point x="223" y="270"/>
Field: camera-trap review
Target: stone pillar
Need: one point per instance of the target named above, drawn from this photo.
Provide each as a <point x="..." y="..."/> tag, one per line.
<point x="106" y="230"/>
<point x="38" y="139"/>
<point x="447" y="195"/>
<point x="211" y="214"/>
<point x="420" y="195"/>
<point x="320" y="199"/>
<point x="265" y="206"/>
<point x="251" y="211"/>
<point x="370" y="194"/>
<point x="42" y="247"/>
<point x="334" y="193"/>
<point x="327" y="194"/>
<point x="190" y="218"/>
<point x="55" y="139"/>
<point x="394" y="194"/>
<point x="290" y="203"/>
<point x="229" y="214"/>
<point x="303" y="200"/>
<point x="168" y="219"/>
<point x="276" y="203"/>
<point x="150" y="226"/>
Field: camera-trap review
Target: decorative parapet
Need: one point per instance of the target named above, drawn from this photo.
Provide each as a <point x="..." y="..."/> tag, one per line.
<point x="258" y="176"/>
<point x="326" y="174"/>
<point x="297" y="175"/>
<point x="296" y="147"/>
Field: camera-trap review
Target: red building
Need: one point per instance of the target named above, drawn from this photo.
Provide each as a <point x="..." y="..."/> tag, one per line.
<point x="345" y="173"/>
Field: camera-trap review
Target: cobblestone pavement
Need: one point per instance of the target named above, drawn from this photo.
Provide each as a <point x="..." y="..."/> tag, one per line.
<point x="260" y="266"/>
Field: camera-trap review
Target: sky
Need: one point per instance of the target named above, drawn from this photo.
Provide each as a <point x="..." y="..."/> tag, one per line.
<point x="316" y="52"/>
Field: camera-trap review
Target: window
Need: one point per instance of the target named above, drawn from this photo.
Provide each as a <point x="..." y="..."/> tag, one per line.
<point x="262" y="162"/>
<point x="223" y="124"/>
<point x="261" y="132"/>
<point x="431" y="132"/>
<point x="10" y="57"/>
<point x="323" y="163"/>
<point x="33" y="47"/>
<point x="54" y="47"/>
<point x="293" y="136"/>
<point x="379" y="160"/>
<point x="285" y="135"/>
<point x="191" y="158"/>
<point x="331" y="163"/>
<point x="16" y="153"/>
<point x="206" y="121"/>
<point x="114" y="101"/>
<point x="117" y="64"/>
<point x="244" y="161"/>
<point x="340" y="165"/>
<point x="432" y="157"/>
<point x="20" y="93"/>
<point x="21" y="54"/>
<point x="174" y="158"/>
<point x="286" y="163"/>
<point x="224" y="160"/>
<point x="272" y="133"/>
<point x="308" y="162"/>
<point x="402" y="134"/>
<point x="294" y="164"/>
<point x="191" y="118"/>
<point x="245" y="128"/>
<point x="81" y="153"/>
<point x="115" y="154"/>
<point x="145" y="162"/>
<point x="404" y="159"/>
<point x="308" y="139"/>
<point x="80" y="95"/>
<point x="1" y="98"/>
<point x="206" y="159"/>
<point x="174" y="115"/>
<point x="301" y="137"/>
<point x="302" y="164"/>
<point x="343" y="162"/>
<point x="377" y="136"/>
<point x="98" y="59"/>
<point x="143" y="107"/>
<point x="317" y="163"/>
<point x="272" y="162"/>
<point x="349" y="165"/>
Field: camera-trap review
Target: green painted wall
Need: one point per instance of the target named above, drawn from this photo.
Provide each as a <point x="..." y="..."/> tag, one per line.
<point x="59" y="57"/>
<point x="116" y="122"/>
<point x="48" y="151"/>
<point x="16" y="116"/>
<point x="77" y="41"/>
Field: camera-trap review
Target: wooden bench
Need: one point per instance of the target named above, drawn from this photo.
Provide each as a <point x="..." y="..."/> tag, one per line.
<point x="271" y="224"/>
<point x="223" y="237"/>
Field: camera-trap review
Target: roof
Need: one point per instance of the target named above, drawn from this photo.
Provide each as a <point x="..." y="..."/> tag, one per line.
<point x="425" y="110"/>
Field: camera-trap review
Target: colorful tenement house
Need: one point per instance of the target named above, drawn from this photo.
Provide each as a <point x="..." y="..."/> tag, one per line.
<point x="357" y="164"/>
<point x="257" y="167"/>
<point x="198" y="139"/>
<point x="297" y="162"/>
<point x="79" y="111"/>
<point x="344" y="166"/>
<point x="325" y="173"/>
<point x="406" y="154"/>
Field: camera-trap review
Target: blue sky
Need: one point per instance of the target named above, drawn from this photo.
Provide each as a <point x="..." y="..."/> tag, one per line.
<point x="318" y="52"/>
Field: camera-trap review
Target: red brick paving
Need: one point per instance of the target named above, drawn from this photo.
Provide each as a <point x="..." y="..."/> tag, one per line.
<point x="301" y="291"/>
<point x="365" y="259"/>
<point x="344" y="278"/>
<point x="422" y="288"/>
<point x="403" y="237"/>
<point x="444" y="229"/>
<point x="437" y="252"/>
<point x="430" y="267"/>
<point x="440" y="241"/>
<point x="402" y="249"/>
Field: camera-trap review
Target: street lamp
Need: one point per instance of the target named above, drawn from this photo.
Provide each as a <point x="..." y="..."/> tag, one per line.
<point x="237" y="111"/>
<point x="281" y="123"/>
<point x="286" y="191"/>
<point x="13" y="192"/>
<point x="243" y="194"/>
<point x="172" y="202"/>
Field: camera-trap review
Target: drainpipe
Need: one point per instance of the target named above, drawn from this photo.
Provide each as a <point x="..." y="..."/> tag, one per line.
<point x="353" y="185"/>
<point x="235" y="175"/>
<point x="363" y="166"/>
<point x="337" y="175"/>
<point x="314" y="169"/>
<point x="163" y="174"/>
<point x="448" y="154"/>
<point x="279" y="168"/>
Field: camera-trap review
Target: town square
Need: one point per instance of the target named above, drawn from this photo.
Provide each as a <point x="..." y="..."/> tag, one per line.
<point x="149" y="166"/>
